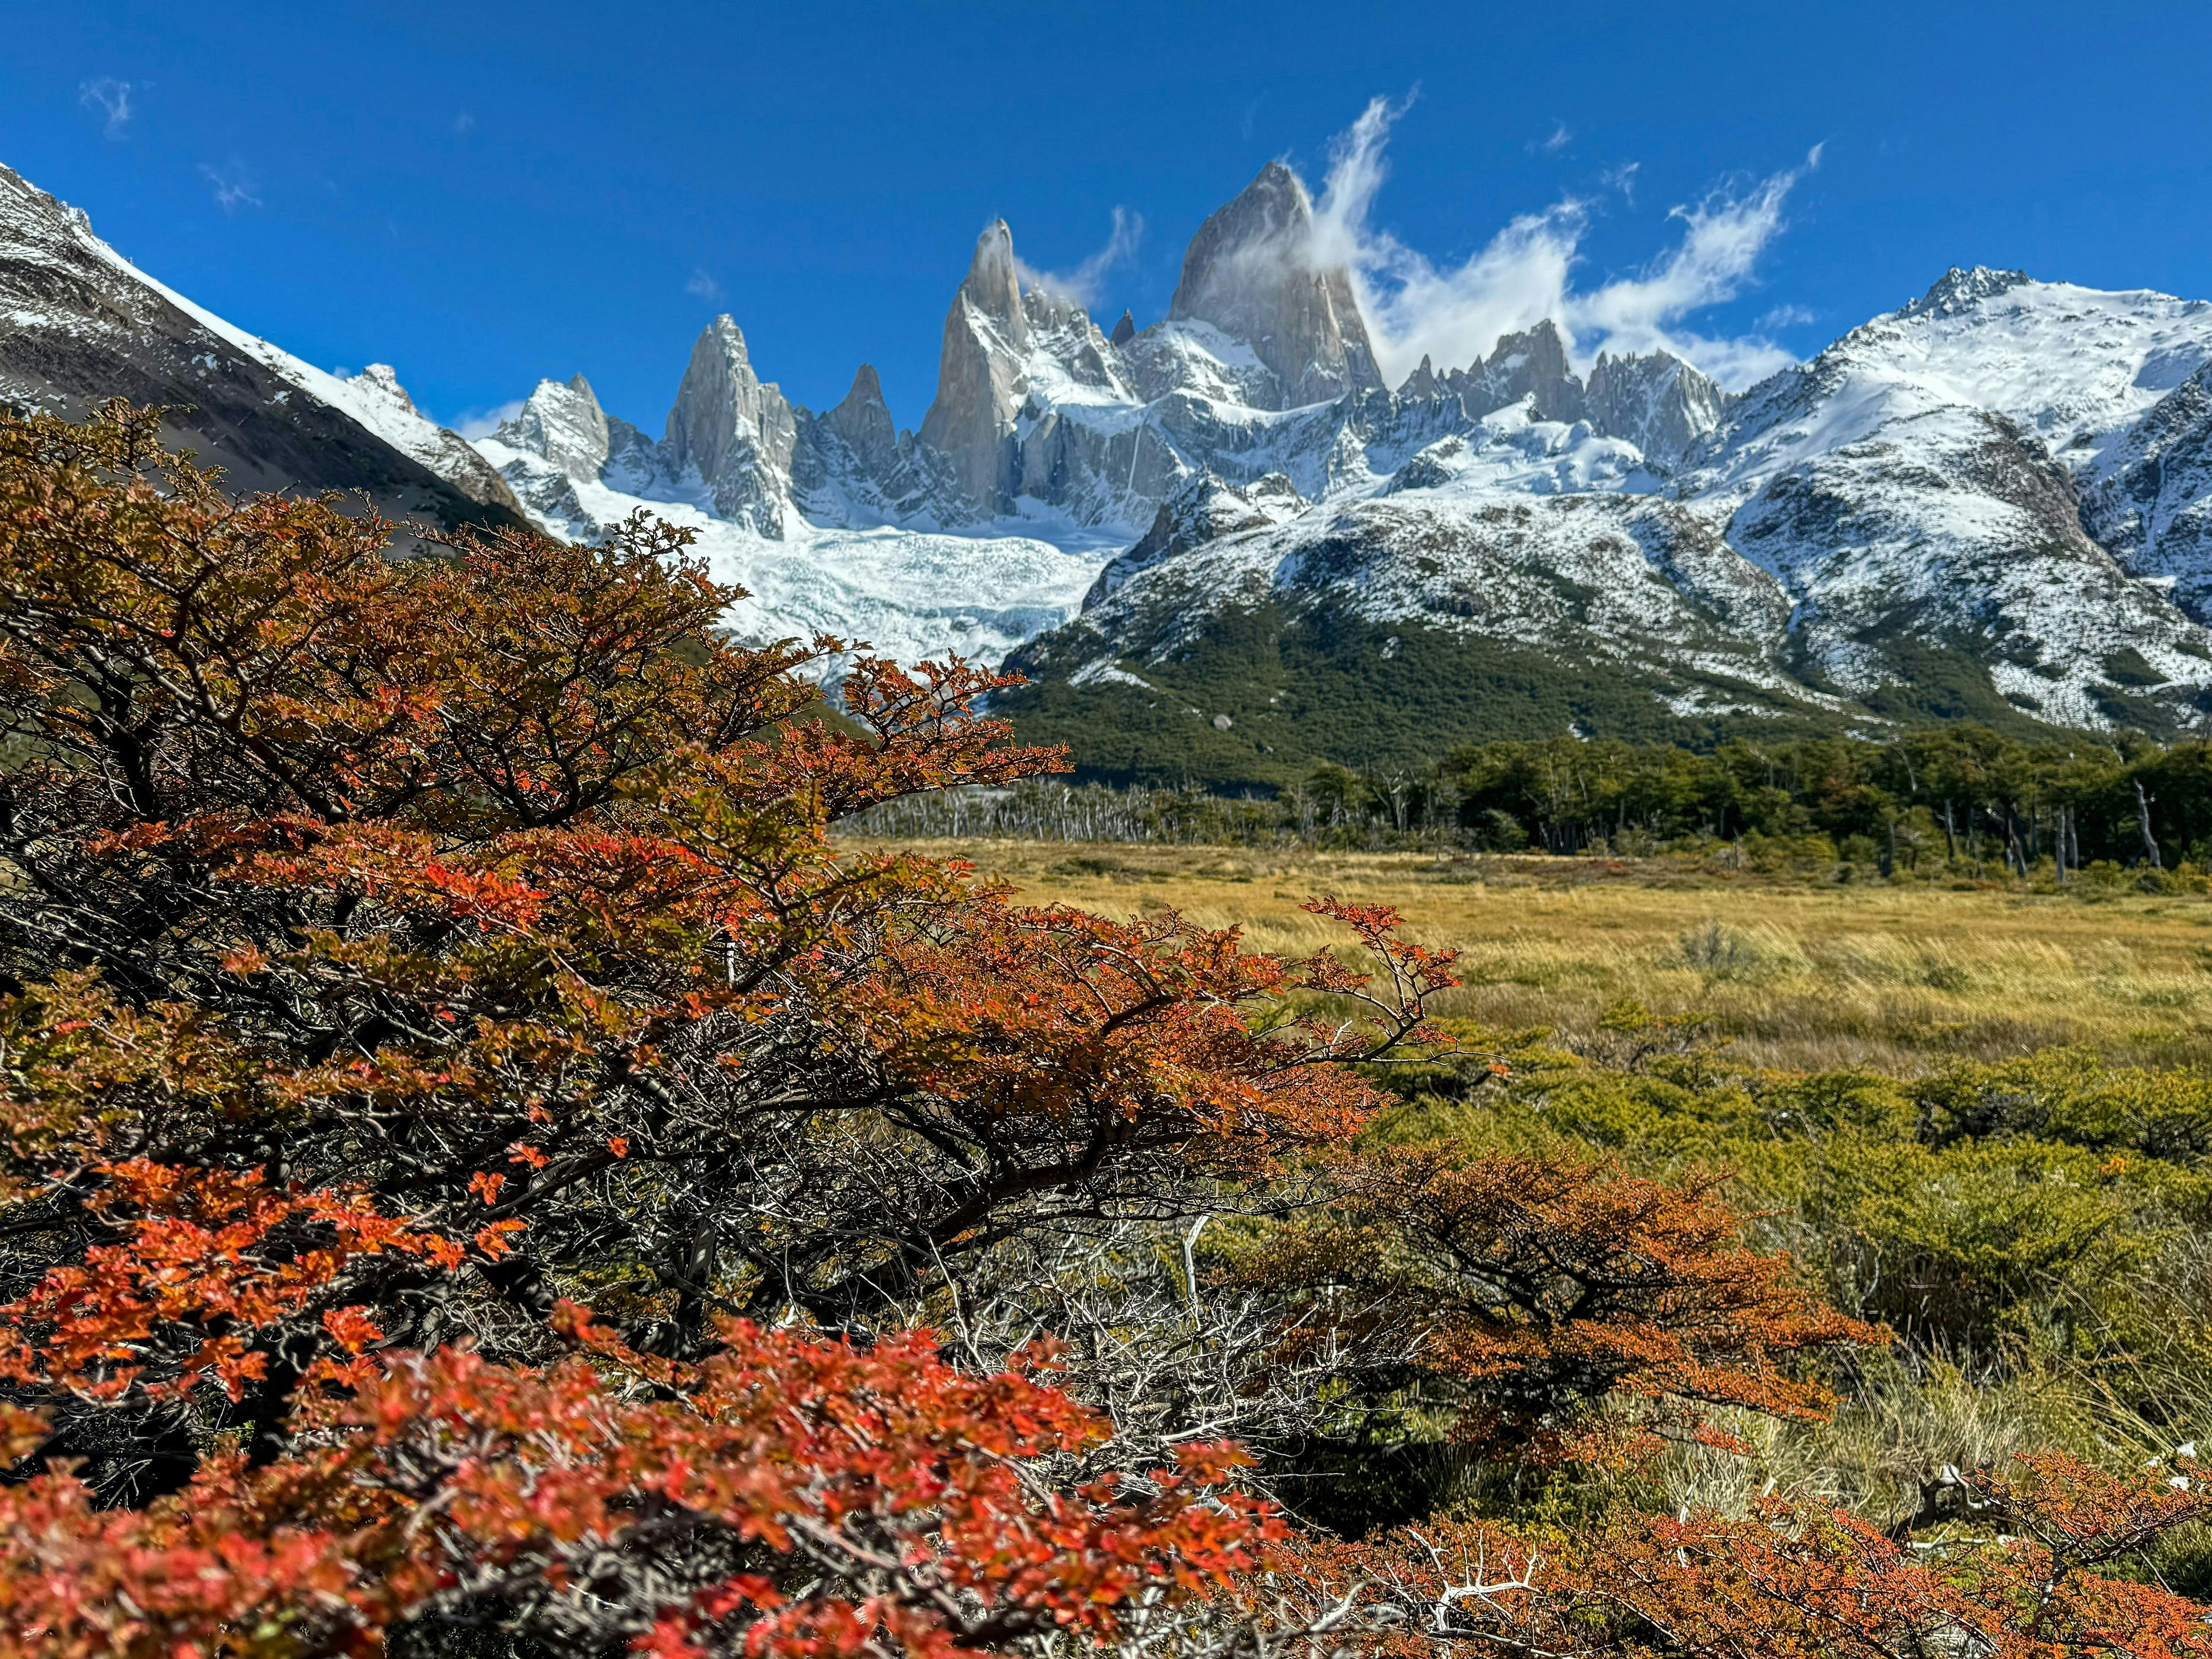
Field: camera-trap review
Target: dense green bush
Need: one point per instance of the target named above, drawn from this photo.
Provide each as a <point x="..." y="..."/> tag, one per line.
<point x="2028" y="1207"/>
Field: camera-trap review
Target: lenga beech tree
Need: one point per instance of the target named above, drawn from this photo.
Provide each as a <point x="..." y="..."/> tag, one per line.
<point x="469" y="1140"/>
<point x="399" y="954"/>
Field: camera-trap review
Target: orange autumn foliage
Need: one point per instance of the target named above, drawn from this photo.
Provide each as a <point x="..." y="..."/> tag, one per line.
<point x="1524" y="1290"/>
<point x="433" y="1483"/>
<point x="471" y="1134"/>
<point x="1787" y="1581"/>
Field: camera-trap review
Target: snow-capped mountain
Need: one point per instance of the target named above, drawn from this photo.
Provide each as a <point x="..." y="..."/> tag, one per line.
<point x="79" y="323"/>
<point x="1996" y="500"/>
<point x="1051" y="445"/>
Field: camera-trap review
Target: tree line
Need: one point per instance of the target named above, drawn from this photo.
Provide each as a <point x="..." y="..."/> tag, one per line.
<point x="1960" y="796"/>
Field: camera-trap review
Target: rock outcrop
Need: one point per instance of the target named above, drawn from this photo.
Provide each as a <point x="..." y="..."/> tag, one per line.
<point x="733" y="433"/>
<point x="1250" y="272"/>
<point x="1656" y="402"/>
<point x="1204" y="509"/>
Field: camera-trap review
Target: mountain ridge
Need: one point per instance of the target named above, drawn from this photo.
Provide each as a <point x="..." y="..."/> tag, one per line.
<point x="79" y="325"/>
<point x="1995" y="499"/>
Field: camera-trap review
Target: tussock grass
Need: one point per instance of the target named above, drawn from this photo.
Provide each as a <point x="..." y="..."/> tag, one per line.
<point x="1799" y="975"/>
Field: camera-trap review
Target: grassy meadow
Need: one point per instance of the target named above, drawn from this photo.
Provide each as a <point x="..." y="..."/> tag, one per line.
<point x="1979" y="1112"/>
<point x="1796" y="973"/>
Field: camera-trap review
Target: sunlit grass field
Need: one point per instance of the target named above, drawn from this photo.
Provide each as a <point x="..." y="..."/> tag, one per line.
<point x="1799" y="973"/>
<point x="1979" y="1112"/>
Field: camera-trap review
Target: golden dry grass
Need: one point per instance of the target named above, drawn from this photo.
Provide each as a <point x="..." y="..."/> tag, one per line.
<point x="1799" y="974"/>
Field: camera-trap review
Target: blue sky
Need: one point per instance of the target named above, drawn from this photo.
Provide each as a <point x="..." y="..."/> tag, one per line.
<point x="483" y="195"/>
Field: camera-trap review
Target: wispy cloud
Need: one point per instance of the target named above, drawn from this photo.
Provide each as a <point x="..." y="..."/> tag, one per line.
<point x="1622" y="179"/>
<point x="464" y="123"/>
<point x="111" y="99"/>
<point x="1087" y="281"/>
<point x="702" y="285"/>
<point x="474" y="424"/>
<point x="1787" y="316"/>
<point x="1452" y="314"/>
<point x="1558" y="140"/>
<point x="233" y="186"/>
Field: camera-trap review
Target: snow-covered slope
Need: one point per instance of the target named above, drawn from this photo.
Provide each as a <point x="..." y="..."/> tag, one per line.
<point x="1985" y="503"/>
<point x="904" y="591"/>
<point x="2147" y="493"/>
<point x="375" y="398"/>
<point x="80" y="324"/>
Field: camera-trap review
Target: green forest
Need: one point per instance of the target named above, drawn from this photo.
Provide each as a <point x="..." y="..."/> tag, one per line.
<point x="1952" y="797"/>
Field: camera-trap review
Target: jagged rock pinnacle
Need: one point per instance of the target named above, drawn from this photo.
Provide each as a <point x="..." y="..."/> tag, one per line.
<point x="993" y="285"/>
<point x="864" y="421"/>
<point x="563" y="423"/>
<point x="736" y="432"/>
<point x="1422" y="382"/>
<point x="1249" y="272"/>
<point x="1959" y="287"/>
<point x="980" y="378"/>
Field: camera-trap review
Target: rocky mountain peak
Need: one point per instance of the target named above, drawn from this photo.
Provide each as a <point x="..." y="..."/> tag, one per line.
<point x="868" y="388"/>
<point x="1959" y="288"/>
<point x="1272" y="215"/>
<point x="864" y="421"/>
<point x="737" y="433"/>
<point x="1656" y="401"/>
<point x="1531" y="363"/>
<point x="382" y="380"/>
<point x="1125" y="331"/>
<point x="562" y="424"/>
<point x="993" y="284"/>
<point x="982" y="378"/>
<point x="1540" y="352"/>
<point x="1249" y="272"/>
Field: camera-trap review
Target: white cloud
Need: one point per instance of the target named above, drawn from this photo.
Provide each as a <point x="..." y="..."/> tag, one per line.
<point x="1723" y="236"/>
<point x="474" y="424"/>
<point x="233" y="186"/>
<point x="1087" y="281"/>
<point x="1622" y="179"/>
<point x="112" y="98"/>
<point x="1787" y="316"/>
<point x="1453" y="314"/>
<point x="703" y="286"/>
<point x="1558" y="140"/>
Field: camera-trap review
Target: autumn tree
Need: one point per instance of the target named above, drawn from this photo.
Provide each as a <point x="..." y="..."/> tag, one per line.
<point x="1527" y="1293"/>
<point x="396" y="949"/>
